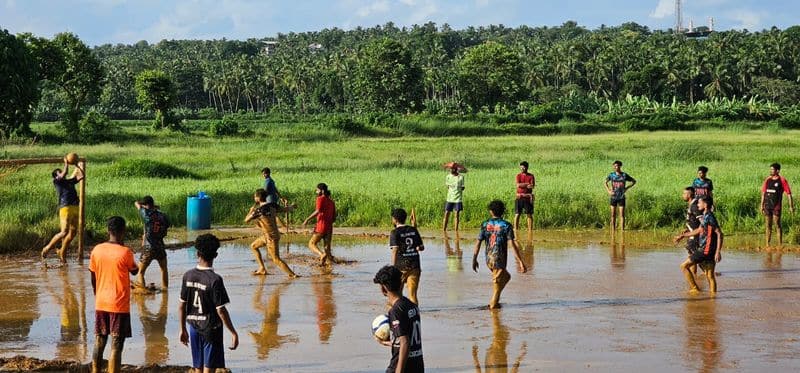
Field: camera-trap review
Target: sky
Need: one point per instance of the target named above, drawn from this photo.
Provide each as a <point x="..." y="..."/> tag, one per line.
<point x="99" y="22"/>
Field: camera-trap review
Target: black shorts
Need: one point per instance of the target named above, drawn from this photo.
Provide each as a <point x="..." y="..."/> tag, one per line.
<point x="697" y="257"/>
<point x="617" y="201"/>
<point x="771" y="210"/>
<point x="691" y="245"/>
<point x="112" y="323"/>
<point x="523" y="206"/>
<point x="152" y="253"/>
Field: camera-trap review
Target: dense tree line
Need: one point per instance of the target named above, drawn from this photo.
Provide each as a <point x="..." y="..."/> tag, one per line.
<point x="424" y="68"/>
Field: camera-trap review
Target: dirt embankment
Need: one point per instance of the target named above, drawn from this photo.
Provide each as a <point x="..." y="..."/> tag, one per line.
<point x="28" y="364"/>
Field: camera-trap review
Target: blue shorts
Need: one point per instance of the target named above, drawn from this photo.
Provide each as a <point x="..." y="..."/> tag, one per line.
<point x="207" y="353"/>
<point x="453" y="206"/>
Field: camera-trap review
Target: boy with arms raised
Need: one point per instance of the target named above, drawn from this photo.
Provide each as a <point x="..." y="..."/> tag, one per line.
<point x="155" y="229"/>
<point x="404" y="323"/>
<point x="709" y="247"/>
<point x="68" y="209"/>
<point x="202" y="303"/>
<point x="498" y="234"/>
<point x="406" y="243"/>
<point x="265" y="214"/>
<point x="110" y="264"/>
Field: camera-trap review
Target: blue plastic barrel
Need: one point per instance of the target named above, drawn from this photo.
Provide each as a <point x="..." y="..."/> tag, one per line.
<point x="198" y="212"/>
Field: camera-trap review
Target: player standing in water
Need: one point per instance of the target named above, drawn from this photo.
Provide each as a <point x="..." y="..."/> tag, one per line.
<point x="406" y="243"/>
<point x="619" y="185"/>
<point x="772" y="202"/>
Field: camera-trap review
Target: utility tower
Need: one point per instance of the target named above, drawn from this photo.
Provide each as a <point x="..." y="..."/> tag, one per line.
<point x="678" y="17"/>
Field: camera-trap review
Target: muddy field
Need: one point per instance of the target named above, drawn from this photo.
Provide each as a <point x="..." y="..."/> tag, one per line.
<point x="589" y="303"/>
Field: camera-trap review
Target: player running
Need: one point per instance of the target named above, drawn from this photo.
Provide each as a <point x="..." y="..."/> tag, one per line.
<point x="693" y="214"/>
<point x="325" y="213"/>
<point x="155" y="229"/>
<point x="709" y="247"/>
<point x="772" y="202"/>
<point x="406" y="243"/>
<point x="264" y="214"/>
<point x="619" y="185"/>
<point x="497" y="234"/>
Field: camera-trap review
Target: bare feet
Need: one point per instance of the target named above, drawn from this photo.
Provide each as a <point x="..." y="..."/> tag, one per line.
<point x="260" y="272"/>
<point x="694" y="291"/>
<point x="495" y="306"/>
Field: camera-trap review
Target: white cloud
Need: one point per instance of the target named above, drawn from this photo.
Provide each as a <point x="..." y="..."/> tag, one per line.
<point x="423" y="12"/>
<point x="748" y="19"/>
<point x="377" y="7"/>
<point x="664" y="9"/>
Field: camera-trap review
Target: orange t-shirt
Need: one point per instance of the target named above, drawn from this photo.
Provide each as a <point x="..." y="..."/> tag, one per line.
<point x="111" y="264"/>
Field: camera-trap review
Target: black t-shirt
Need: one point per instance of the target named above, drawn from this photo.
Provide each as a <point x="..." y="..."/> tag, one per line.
<point x="406" y="239"/>
<point x="404" y="321"/>
<point x="692" y="214"/>
<point x="67" y="196"/>
<point x="202" y="293"/>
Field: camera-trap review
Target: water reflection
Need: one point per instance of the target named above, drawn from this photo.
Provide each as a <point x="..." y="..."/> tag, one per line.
<point x="703" y="345"/>
<point x="496" y="359"/>
<point x="154" y="326"/>
<point x="72" y="343"/>
<point x="772" y="260"/>
<point x="526" y="252"/>
<point x="453" y="253"/>
<point x="268" y="338"/>
<point x="618" y="250"/>
<point x="326" y="308"/>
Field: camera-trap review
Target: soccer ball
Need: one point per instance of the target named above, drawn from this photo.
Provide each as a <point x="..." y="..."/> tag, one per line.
<point x="380" y="327"/>
<point x="72" y="158"/>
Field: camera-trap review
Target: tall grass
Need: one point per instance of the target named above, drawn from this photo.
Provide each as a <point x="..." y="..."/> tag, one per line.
<point x="370" y="176"/>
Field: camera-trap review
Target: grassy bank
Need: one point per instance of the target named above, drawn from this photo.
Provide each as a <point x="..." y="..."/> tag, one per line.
<point x="370" y="176"/>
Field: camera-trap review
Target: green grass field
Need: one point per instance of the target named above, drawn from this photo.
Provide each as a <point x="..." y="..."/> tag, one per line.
<point x="370" y="176"/>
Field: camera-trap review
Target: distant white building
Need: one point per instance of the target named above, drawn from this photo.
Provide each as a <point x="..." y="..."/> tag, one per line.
<point x="268" y="46"/>
<point x="313" y="47"/>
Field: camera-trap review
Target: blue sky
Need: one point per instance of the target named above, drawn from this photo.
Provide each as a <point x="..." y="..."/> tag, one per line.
<point x="128" y="21"/>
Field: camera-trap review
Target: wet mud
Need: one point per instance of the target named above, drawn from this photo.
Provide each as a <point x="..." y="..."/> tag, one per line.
<point x="589" y="302"/>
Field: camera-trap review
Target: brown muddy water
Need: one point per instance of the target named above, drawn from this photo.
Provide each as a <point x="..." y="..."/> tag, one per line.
<point x="591" y="306"/>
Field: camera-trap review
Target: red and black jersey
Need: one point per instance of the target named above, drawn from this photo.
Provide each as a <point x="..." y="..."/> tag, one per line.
<point x="773" y="190"/>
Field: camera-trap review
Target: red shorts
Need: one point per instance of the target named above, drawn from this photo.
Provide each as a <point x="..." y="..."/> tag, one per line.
<point x="115" y="324"/>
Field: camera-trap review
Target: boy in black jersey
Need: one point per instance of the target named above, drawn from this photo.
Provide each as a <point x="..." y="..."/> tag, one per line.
<point x="203" y="300"/>
<point x="404" y="321"/>
<point x="406" y="244"/>
<point x="772" y="201"/>
<point x="693" y="215"/>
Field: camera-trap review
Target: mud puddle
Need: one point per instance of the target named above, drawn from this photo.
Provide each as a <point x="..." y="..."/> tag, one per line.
<point x="598" y="305"/>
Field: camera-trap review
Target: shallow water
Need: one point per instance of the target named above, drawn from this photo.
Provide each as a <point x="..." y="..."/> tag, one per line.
<point x="593" y="306"/>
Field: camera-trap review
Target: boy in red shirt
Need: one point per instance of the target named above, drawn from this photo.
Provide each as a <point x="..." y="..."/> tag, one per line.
<point x="524" y="182"/>
<point x="326" y="214"/>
